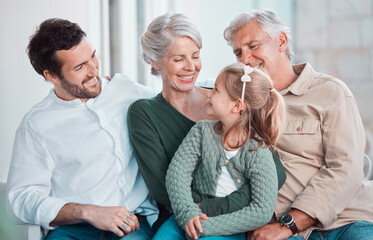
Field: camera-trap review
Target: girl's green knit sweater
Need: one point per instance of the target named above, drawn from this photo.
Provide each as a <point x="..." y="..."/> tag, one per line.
<point x="197" y="164"/>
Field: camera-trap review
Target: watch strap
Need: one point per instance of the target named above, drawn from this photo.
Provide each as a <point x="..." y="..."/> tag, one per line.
<point x="290" y="224"/>
<point x="293" y="227"/>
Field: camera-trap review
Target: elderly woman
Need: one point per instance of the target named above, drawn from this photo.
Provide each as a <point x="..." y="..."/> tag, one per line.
<point x="157" y="126"/>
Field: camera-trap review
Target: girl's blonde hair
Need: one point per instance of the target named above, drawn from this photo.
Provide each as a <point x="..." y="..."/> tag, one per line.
<point x="264" y="108"/>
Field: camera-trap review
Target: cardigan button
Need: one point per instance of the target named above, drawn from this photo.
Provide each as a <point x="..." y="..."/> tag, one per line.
<point x="238" y="180"/>
<point x="226" y="161"/>
<point x="298" y="129"/>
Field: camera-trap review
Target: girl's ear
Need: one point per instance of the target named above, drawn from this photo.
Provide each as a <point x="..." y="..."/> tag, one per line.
<point x="238" y="106"/>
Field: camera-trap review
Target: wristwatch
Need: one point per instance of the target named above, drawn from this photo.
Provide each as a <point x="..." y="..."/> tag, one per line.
<point x="288" y="221"/>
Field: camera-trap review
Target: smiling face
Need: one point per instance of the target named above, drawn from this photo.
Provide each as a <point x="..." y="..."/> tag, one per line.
<point x="79" y="73"/>
<point x="254" y="47"/>
<point x="220" y="104"/>
<point x="180" y="67"/>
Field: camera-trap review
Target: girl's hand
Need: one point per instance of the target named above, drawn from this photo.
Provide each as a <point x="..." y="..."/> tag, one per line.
<point x="194" y="223"/>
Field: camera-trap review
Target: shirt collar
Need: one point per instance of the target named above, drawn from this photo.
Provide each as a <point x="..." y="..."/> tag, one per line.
<point x="306" y="74"/>
<point x="76" y="102"/>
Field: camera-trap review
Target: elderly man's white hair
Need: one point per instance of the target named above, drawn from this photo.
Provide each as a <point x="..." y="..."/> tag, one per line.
<point x="268" y="20"/>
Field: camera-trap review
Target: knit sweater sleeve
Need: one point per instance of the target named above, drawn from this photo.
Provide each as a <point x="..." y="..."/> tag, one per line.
<point x="179" y="177"/>
<point x="263" y="179"/>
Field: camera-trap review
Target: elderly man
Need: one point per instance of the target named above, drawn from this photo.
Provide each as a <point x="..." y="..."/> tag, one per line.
<point x="72" y="164"/>
<point x="325" y="195"/>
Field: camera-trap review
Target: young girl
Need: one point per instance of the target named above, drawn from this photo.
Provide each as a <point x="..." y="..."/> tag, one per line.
<point x="216" y="158"/>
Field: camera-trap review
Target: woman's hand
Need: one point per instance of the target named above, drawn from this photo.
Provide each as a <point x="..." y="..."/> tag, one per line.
<point x="194" y="224"/>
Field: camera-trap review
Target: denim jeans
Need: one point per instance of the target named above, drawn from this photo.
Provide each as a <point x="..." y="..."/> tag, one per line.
<point x="356" y="230"/>
<point x="85" y="231"/>
<point x="170" y="230"/>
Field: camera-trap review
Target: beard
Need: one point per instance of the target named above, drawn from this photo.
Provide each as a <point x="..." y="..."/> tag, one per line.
<point x="80" y="91"/>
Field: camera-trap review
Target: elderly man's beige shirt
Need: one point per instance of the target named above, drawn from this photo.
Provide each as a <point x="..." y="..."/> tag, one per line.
<point x="322" y="150"/>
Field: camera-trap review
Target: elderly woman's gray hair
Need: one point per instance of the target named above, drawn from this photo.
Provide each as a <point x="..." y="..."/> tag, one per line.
<point x="268" y="20"/>
<point x="161" y="33"/>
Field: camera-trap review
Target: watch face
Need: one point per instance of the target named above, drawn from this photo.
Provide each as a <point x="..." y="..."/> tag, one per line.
<point x="286" y="219"/>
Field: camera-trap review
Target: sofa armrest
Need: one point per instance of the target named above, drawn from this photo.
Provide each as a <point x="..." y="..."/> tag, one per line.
<point x="30" y="232"/>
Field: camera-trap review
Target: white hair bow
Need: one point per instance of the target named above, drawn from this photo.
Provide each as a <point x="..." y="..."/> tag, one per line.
<point x="245" y="78"/>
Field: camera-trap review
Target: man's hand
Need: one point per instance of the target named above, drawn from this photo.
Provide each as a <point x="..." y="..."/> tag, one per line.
<point x="114" y="219"/>
<point x="276" y="231"/>
<point x="273" y="231"/>
<point x="194" y="223"/>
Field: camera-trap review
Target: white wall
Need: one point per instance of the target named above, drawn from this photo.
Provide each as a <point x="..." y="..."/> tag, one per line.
<point x="21" y="87"/>
<point x="338" y="40"/>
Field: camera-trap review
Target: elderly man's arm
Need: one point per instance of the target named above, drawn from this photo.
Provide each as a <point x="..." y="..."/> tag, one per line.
<point x="332" y="188"/>
<point x="329" y="192"/>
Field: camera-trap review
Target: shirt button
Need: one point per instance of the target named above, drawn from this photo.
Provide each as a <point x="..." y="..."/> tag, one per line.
<point x="226" y="161"/>
<point x="298" y="129"/>
<point x="238" y="180"/>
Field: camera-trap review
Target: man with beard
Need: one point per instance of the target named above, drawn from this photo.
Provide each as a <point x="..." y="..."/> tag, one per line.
<point x="72" y="169"/>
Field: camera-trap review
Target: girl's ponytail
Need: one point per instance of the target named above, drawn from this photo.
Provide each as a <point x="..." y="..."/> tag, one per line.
<point x="268" y="121"/>
<point x="264" y="108"/>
